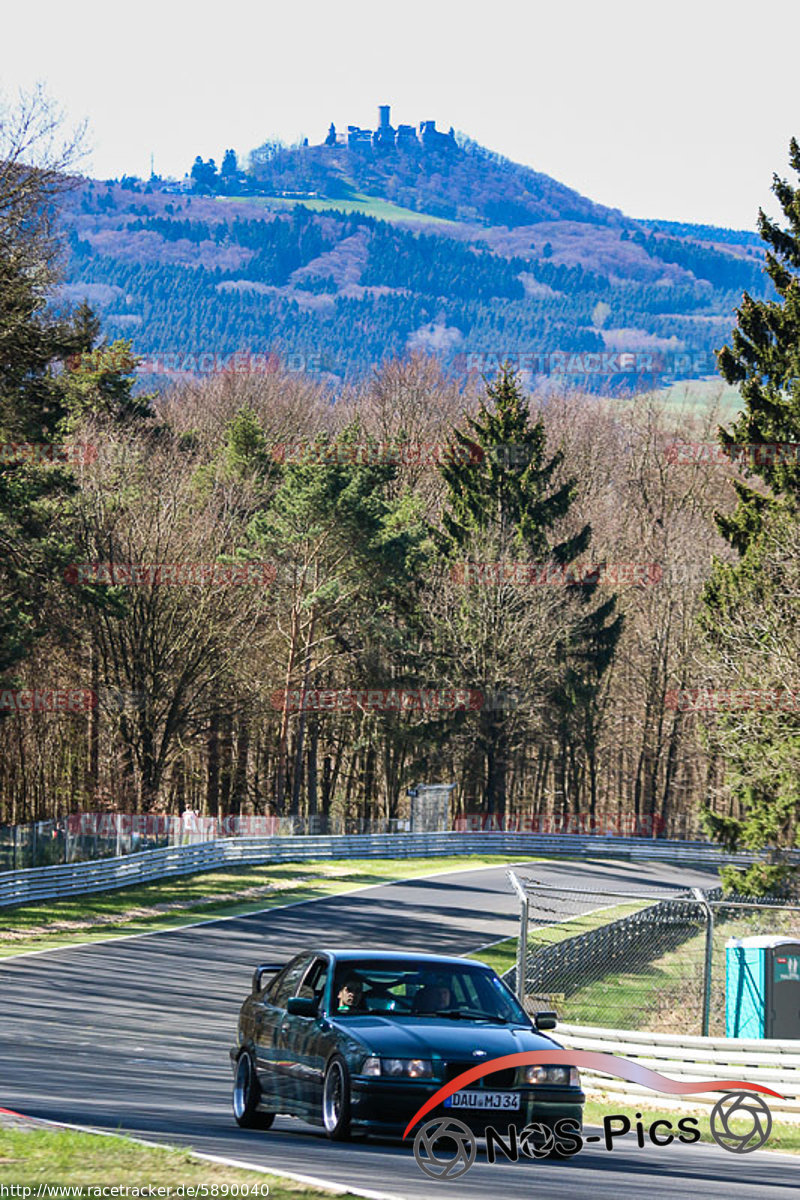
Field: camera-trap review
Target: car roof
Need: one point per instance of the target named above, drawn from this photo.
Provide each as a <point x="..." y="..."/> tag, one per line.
<point x="397" y="956"/>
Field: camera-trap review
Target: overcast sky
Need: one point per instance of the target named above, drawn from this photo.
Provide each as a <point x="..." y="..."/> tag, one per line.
<point x="680" y="110"/>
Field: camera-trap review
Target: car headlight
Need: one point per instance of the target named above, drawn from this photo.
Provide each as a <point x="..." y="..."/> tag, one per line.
<point x="372" y="1066"/>
<point x="407" y="1068"/>
<point x="558" y="1076"/>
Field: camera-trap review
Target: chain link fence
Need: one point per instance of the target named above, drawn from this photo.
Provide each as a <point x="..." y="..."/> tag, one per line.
<point x="84" y="837"/>
<point x="652" y="961"/>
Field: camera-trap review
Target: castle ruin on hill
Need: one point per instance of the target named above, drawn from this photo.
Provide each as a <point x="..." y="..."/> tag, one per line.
<point x="386" y="137"/>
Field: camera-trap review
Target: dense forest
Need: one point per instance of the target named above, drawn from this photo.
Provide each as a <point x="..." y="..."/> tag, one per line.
<point x="194" y="616"/>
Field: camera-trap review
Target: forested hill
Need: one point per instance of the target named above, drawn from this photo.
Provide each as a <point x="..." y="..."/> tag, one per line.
<point x="335" y="258"/>
<point x="462" y="182"/>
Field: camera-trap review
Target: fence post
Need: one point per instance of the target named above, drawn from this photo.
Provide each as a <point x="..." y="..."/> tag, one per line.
<point x="702" y="899"/>
<point x="522" y="937"/>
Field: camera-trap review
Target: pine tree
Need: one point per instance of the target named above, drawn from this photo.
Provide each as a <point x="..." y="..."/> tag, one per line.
<point x="500" y="485"/>
<point x="346" y="551"/>
<point x="764" y="362"/>
<point x="51" y="376"/>
<point x="99" y="381"/>
<point x="32" y="491"/>
<point x="746" y="604"/>
<point x="510" y="491"/>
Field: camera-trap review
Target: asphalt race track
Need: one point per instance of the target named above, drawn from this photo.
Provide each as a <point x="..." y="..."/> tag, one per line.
<point x="134" y="1034"/>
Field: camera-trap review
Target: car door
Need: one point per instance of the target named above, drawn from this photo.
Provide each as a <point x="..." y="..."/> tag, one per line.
<point x="305" y="1041"/>
<point x="272" y="1067"/>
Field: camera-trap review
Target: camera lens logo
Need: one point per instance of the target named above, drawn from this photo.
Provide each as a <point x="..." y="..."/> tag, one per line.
<point x="752" y="1118"/>
<point x="439" y="1162"/>
<point x="537" y="1140"/>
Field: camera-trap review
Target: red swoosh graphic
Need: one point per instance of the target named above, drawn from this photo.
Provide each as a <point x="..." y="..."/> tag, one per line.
<point x="610" y="1064"/>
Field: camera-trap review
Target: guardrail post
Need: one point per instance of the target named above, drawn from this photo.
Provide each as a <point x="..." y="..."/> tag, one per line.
<point x="702" y="899"/>
<point x="522" y="936"/>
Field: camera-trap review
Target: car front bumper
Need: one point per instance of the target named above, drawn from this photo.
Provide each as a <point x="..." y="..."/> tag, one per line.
<point x="386" y="1106"/>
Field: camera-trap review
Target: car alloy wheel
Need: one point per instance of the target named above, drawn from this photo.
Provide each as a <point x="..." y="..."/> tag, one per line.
<point x="246" y="1095"/>
<point x="336" y="1100"/>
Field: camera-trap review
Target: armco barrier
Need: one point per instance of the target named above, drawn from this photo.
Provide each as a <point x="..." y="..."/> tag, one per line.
<point x="69" y="879"/>
<point x="680" y="1056"/>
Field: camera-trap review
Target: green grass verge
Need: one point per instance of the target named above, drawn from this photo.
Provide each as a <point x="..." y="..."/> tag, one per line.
<point x="625" y="1000"/>
<point x="369" y="206"/>
<point x="785" y="1135"/>
<point x="503" y="955"/>
<point x="667" y="994"/>
<point x="203" y="896"/>
<point x="33" y="1157"/>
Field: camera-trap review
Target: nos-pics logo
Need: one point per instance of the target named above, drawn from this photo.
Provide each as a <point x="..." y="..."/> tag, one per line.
<point x="446" y="1149"/>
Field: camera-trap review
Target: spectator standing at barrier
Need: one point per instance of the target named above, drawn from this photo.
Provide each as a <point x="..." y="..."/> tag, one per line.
<point x="188" y="824"/>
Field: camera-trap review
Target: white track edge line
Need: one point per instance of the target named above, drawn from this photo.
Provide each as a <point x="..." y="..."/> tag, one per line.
<point x="125" y="937"/>
<point x="337" y="1188"/>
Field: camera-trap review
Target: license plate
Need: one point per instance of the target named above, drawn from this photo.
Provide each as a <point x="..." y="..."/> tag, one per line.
<point x="501" y="1100"/>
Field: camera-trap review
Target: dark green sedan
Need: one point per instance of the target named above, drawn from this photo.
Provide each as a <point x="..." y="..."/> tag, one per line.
<point x="356" y="1041"/>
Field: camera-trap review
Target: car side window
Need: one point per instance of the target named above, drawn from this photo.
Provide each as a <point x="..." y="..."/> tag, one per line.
<point x="288" y="981"/>
<point x="313" y="985"/>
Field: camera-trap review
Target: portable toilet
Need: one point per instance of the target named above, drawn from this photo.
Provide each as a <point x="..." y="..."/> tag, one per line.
<point x="762" y="987"/>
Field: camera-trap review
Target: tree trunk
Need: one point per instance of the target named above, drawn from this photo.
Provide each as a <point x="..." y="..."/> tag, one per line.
<point x="311" y="785"/>
<point x="94" y="723"/>
<point x="212" y="766"/>
<point x="239" y="784"/>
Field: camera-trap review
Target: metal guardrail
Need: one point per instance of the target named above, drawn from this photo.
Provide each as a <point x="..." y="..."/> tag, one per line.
<point x="69" y="879"/>
<point x="681" y="1056"/>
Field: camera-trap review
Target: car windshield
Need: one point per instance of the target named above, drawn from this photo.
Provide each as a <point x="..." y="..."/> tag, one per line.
<point x="421" y="990"/>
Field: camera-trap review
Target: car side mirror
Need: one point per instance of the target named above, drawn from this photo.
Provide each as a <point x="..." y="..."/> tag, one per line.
<point x="301" y="1006"/>
<point x="545" y="1020"/>
<point x="261" y="971"/>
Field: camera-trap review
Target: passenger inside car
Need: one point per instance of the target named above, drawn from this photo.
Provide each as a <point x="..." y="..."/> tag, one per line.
<point x="432" y="999"/>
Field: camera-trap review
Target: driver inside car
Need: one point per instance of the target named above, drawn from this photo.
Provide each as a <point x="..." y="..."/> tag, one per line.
<point x="348" y="998"/>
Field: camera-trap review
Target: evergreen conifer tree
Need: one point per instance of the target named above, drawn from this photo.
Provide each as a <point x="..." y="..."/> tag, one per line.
<point x="751" y="614"/>
<point x="501" y="484"/>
